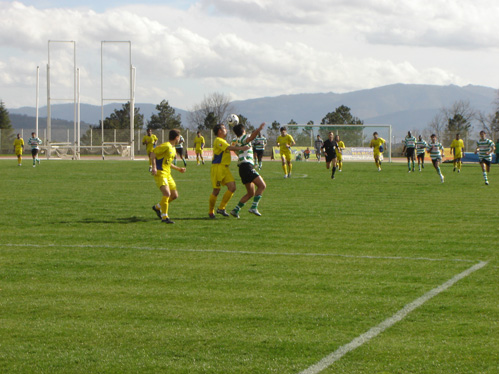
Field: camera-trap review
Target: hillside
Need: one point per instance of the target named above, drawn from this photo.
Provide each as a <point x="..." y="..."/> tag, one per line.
<point x="404" y="106"/>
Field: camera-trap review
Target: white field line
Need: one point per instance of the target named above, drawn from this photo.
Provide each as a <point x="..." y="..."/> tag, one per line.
<point x="304" y="254"/>
<point x="375" y="331"/>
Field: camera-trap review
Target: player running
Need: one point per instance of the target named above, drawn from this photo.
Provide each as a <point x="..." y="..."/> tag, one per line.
<point x="457" y="149"/>
<point x="198" y="147"/>
<point x="377" y="145"/>
<point x="409" y="150"/>
<point x="484" y="148"/>
<point x="339" y="155"/>
<point x="35" y="143"/>
<point x="149" y="140"/>
<point x="180" y="151"/>
<point x="318" y="147"/>
<point x="285" y="141"/>
<point x="162" y="163"/>
<point x="436" y="153"/>
<point x="220" y="172"/>
<point x="330" y="151"/>
<point x="421" y="146"/>
<point x="249" y="176"/>
<point x="18" y="149"/>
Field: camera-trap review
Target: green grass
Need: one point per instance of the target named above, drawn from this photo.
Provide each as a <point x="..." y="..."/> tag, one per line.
<point x="92" y="282"/>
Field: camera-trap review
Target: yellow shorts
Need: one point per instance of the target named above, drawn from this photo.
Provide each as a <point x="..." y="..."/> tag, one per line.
<point x="458" y="155"/>
<point x="149" y="149"/>
<point x="199" y="150"/>
<point x="19" y="152"/>
<point x="286" y="154"/>
<point x="376" y="154"/>
<point x="220" y="175"/>
<point x="339" y="157"/>
<point x="165" y="179"/>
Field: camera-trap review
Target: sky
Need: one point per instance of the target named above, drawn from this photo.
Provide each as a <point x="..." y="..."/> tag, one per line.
<point x="183" y="51"/>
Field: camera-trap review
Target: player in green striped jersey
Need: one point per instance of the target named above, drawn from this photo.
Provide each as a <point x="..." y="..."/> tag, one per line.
<point x="35" y="143"/>
<point x="484" y="148"/>
<point x="249" y="176"/>
<point x="409" y="150"/>
<point x="259" y="144"/>
<point x="436" y="153"/>
<point x="420" y="151"/>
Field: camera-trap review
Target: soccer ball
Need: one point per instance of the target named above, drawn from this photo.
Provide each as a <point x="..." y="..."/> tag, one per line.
<point x="233" y="120"/>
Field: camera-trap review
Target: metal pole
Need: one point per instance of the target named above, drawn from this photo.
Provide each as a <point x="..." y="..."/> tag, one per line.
<point x="37" y="97"/>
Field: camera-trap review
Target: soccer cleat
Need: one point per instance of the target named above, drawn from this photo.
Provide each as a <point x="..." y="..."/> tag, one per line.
<point x="255" y="212"/>
<point x="442" y="178"/>
<point x="487" y="183"/>
<point x="332" y="176"/>
<point x="167" y="220"/>
<point x="34" y="166"/>
<point x="454" y="169"/>
<point x="458" y="171"/>
<point x="158" y="212"/>
<point x="379" y="169"/>
<point x="289" y="175"/>
<point x="234" y="213"/>
<point x="340" y="170"/>
<point x="222" y="212"/>
<point x="409" y="171"/>
<point x="285" y="176"/>
<point x="211" y="216"/>
<point x="150" y="169"/>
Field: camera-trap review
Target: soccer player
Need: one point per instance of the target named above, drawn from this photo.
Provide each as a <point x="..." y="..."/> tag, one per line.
<point x="162" y="157"/>
<point x="409" y="150"/>
<point x="220" y="172"/>
<point x="249" y="176"/>
<point x="339" y="155"/>
<point x="318" y="147"/>
<point x="421" y="146"/>
<point x="259" y="144"/>
<point x="377" y="145"/>
<point x="35" y="143"/>
<point x="149" y="140"/>
<point x="180" y="151"/>
<point x="457" y="148"/>
<point x="18" y="149"/>
<point x="436" y="153"/>
<point x="285" y="141"/>
<point x="198" y="147"/>
<point x="484" y="148"/>
<point x="330" y="150"/>
<point x="497" y="151"/>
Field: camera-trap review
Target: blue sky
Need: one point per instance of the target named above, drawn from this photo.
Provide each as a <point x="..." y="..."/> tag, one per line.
<point x="185" y="50"/>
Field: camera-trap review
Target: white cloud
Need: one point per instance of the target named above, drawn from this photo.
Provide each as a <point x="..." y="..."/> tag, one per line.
<point x="251" y="48"/>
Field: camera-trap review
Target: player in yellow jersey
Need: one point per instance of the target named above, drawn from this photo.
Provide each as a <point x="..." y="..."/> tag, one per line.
<point x="220" y="172"/>
<point x="18" y="149"/>
<point x="457" y="149"/>
<point x="377" y="145"/>
<point x="198" y="147"/>
<point x="149" y="141"/>
<point x="162" y="163"/>
<point x="339" y="156"/>
<point x="285" y="141"/>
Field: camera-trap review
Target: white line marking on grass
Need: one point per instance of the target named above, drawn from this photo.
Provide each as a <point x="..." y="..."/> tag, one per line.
<point x="304" y="254"/>
<point x="400" y="315"/>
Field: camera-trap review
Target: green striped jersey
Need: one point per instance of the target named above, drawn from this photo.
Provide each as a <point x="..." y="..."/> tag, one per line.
<point x="410" y="142"/>
<point x="34" y="142"/>
<point x="244" y="156"/>
<point x="484" y="146"/>
<point x="421" y="147"/>
<point x="434" y="149"/>
<point x="259" y="143"/>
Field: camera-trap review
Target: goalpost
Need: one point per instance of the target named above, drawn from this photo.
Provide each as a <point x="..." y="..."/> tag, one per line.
<point x="355" y="137"/>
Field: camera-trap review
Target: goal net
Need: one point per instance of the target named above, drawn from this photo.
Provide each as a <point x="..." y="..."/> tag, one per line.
<point x="355" y="137"/>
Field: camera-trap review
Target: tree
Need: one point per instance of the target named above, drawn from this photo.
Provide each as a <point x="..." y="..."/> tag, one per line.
<point x="273" y="131"/>
<point x="165" y="119"/>
<point x="6" y="131"/>
<point x="450" y="121"/>
<point x="342" y="116"/>
<point x="217" y="104"/>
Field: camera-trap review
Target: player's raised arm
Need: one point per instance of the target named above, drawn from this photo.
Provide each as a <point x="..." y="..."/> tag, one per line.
<point x="255" y="133"/>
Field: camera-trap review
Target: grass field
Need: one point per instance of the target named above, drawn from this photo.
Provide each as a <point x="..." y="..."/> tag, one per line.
<point x="92" y="282"/>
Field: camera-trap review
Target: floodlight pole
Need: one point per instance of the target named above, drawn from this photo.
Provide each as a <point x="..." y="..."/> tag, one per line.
<point x="37" y="97"/>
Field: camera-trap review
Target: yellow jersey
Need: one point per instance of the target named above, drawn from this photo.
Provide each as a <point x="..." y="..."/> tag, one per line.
<point x="284" y="142"/>
<point x="458" y="146"/>
<point x="165" y="153"/>
<point x="198" y="142"/>
<point x="341" y="146"/>
<point x="376" y="143"/>
<point x="18" y="144"/>
<point x="220" y="153"/>
<point x="149" y="140"/>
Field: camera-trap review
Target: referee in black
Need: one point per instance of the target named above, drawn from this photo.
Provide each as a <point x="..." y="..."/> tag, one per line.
<point x="330" y="147"/>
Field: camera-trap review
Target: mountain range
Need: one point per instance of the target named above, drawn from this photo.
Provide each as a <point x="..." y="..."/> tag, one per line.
<point x="404" y="106"/>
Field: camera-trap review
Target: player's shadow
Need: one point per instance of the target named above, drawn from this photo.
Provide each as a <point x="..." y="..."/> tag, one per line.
<point x="124" y="220"/>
